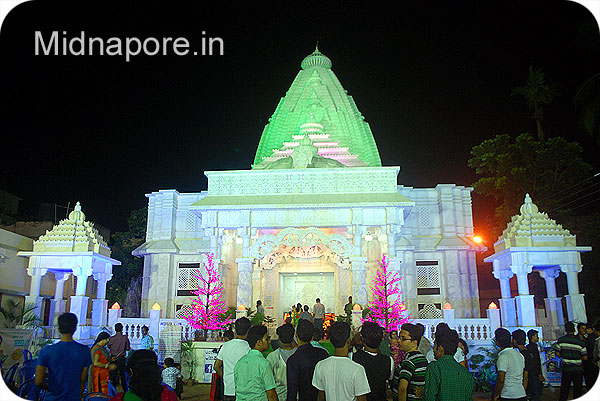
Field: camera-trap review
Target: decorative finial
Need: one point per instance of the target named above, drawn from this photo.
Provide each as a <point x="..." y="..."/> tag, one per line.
<point x="77" y="214"/>
<point x="528" y="206"/>
<point x="317" y="46"/>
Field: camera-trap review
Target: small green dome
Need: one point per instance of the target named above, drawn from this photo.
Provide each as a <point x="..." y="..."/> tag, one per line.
<point x="316" y="59"/>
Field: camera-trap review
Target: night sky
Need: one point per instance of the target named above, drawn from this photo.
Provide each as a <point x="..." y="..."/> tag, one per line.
<point x="431" y="82"/>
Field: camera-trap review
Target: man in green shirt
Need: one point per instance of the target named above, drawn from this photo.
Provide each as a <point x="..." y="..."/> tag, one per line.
<point x="253" y="375"/>
<point x="446" y="379"/>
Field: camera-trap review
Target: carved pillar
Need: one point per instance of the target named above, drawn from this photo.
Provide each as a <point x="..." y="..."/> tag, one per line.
<point x="525" y="303"/>
<point x="244" y="232"/>
<point x="79" y="301"/>
<point x="391" y="234"/>
<point x="575" y="302"/>
<point x="58" y="304"/>
<point x="256" y="285"/>
<point x="553" y="304"/>
<point x="359" y="283"/>
<point x="508" y="311"/>
<point x="36" y="273"/>
<point x="244" y="290"/>
<point x="357" y="234"/>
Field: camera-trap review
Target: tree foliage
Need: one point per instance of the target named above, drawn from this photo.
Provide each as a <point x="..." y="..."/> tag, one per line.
<point x="538" y="92"/>
<point x="587" y="106"/>
<point x="508" y="169"/>
<point x="123" y="243"/>
<point x="208" y="307"/>
<point x="386" y="309"/>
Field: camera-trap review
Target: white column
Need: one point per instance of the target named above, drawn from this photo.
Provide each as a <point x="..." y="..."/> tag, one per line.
<point x="244" y="232"/>
<point x="508" y="310"/>
<point x="58" y="304"/>
<point x="524" y="301"/>
<point x="100" y="304"/>
<point x="575" y="302"/>
<point x="359" y="279"/>
<point x="391" y="234"/>
<point x="553" y="304"/>
<point x="449" y="317"/>
<point x="36" y="273"/>
<point x="256" y="284"/>
<point x="493" y="316"/>
<point x="244" y="290"/>
<point x="357" y="238"/>
<point x="79" y="301"/>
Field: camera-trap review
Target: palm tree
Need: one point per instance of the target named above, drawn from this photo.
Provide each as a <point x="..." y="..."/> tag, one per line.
<point x="13" y="315"/>
<point x="538" y="92"/>
<point x="587" y="106"/>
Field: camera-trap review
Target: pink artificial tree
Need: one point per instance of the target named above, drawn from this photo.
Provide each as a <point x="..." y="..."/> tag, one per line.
<point x="386" y="309"/>
<point x="209" y="306"/>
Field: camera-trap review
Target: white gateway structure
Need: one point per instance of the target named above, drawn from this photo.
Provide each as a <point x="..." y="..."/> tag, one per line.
<point x="312" y="218"/>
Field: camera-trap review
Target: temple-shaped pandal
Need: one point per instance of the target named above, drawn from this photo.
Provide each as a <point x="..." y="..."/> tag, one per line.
<point x="73" y="247"/>
<point x="534" y="243"/>
<point x="312" y="218"/>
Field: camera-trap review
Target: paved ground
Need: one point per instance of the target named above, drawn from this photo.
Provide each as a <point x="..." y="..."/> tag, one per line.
<point x="201" y="392"/>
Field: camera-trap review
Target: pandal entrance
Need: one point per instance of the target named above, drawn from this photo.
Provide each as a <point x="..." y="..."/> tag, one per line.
<point x="305" y="288"/>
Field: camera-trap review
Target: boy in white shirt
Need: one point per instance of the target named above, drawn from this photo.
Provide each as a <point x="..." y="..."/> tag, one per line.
<point x="338" y="377"/>
<point x="230" y="354"/>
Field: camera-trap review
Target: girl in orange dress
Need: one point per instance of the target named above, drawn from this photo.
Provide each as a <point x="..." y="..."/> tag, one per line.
<point x="101" y="365"/>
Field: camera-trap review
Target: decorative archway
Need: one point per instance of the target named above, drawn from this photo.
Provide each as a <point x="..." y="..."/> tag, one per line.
<point x="298" y="253"/>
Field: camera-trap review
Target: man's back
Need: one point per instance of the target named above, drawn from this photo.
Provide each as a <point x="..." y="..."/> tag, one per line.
<point x="253" y="377"/>
<point x="571" y="349"/>
<point x="341" y="379"/>
<point x="118" y="344"/>
<point x="378" y="368"/>
<point x="230" y="354"/>
<point x="278" y="361"/>
<point x="64" y="362"/>
<point x="307" y="316"/>
<point x="319" y="310"/>
<point x="448" y="380"/>
<point x="300" y="368"/>
<point x="512" y="362"/>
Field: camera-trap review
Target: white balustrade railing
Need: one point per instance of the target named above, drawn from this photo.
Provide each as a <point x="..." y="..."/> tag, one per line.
<point x="132" y="328"/>
<point x="471" y="330"/>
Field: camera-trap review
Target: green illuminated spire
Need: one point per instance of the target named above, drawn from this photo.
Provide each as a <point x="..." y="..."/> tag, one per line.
<point x="317" y="96"/>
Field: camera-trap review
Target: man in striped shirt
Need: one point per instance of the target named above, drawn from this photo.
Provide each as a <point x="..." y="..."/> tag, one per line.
<point x="572" y="351"/>
<point x="409" y="376"/>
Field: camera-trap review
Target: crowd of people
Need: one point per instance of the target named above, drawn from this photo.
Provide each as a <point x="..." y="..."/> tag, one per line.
<point x="301" y="369"/>
<point x="67" y="369"/>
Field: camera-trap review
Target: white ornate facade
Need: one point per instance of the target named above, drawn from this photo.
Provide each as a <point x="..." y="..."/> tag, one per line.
<point x="313" y="218"/>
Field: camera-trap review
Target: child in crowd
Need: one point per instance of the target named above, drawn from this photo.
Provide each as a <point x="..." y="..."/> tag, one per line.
<point x="171" y="374"/>
<point x="179" y="385"/>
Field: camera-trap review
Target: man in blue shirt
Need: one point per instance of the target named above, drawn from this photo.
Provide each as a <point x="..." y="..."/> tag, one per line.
<point x="66" y="364"/>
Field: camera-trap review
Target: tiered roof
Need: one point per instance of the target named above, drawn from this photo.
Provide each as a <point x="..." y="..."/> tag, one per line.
<point x="73" y="234"/>
<point x="532" y="228"/>
<point x="326" y="147"/>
